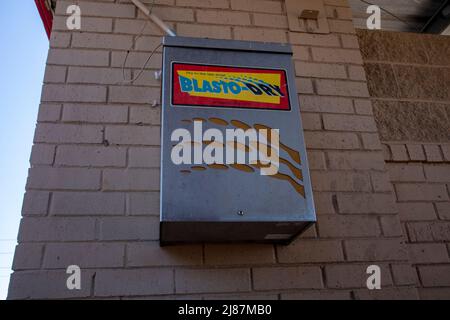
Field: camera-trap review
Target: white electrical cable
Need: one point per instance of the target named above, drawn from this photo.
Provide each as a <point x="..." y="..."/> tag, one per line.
<point x="154" y="18"/>
<point x="141" y="71"/>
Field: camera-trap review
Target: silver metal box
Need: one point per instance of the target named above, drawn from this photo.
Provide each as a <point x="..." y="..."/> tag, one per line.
<point x="224" y="84"/>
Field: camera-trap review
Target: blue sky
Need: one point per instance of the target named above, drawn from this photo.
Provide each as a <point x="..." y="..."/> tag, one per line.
<point x="23" y="53"/>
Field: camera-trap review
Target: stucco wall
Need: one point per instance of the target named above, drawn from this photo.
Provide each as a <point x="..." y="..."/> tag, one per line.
<point x="92" y="191"/>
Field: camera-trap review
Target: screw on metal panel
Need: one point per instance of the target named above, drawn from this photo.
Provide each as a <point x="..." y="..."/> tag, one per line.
<point x="240" y="213"/>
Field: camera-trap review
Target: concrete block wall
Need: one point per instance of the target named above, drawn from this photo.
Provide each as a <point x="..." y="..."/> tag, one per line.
<point x="92" y="191"/>
<point x="409" y="78"/>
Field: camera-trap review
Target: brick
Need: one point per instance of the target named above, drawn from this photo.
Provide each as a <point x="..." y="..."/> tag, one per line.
<point x="325" y="104"/>
<point x="381" y="182"/>
<point x="42" y="154"/>
<point x="339" y="181"/>
<point x="35" y="203"/>
<point x="92" y="156"/>
<point x="196" y="30"/>
<point x="328" y="140"/>
<point x="387" y="294"/>
<point x="60" y="40"/>
<point x="144" y="157"/>
<point x="63" y="178"/>
<point x="433" y="153"/>
<point x="212" y="280"/>
<point x="140" y="203"/>
<point x="363" y="107"/>
<point x="65" y="133"/>
<point x="342" y="88"/>
<point x="78" y="93"/>
<point x="336" y="55"/>
<point x="415" y="152"/>
<point x="171" y="14"/>
<point x="366" y="203"/>
<point x="404" y="274"/>
<point x="304" y="85"/>
<point x="110" y="283"/>
<point x="101" y="41"/>
<point x="146" y="43"/>
<point x="229" y="254"/>
<point x="99" y="9"/>
<point x="309" y="251"/>
<point x="443" y="210"/>
<point x="88" y="24"/>
<point x="387" y="152"/>
<point x="87" y="203"/>
<point x="133" y="26"/>
<point x="256" y="6"/>
<point x="287" y="278"/>
<point x="324" y="203"/>
<point x="84" y="255"/>
<point x="353" y="276"/>
<point x="145" y="115"/>
<point x="223" y="17"/>
<point x="56" y="229"/>
<point x="133" y="135"/>
<point x="446" y="151"/>
<point x="435" y="276"/>
<point x="89" y="75"/>
<point x="356" y="160"/>
<point x="317" y="295"/>
<point x="391" y="226"/>
<point x="357" y="73"/>
<point x="321" y="40"/>
<point x="270" y="20"/>
<point x="46" y="285"/>
<point x="316" y="160"/>
<point x="420" y="232"/>
<point x="437" y="173"/>
<point x="376" y="250"/>
<point x="218" y="4"/>
<point x="134" y="95"/>
<point x="434" y="293"/>
<point x="151" y="254"/>
<point x="320" y="70"/>
<point x="311" y="121"/>
<point x="242" y="296"/>
<point x="260" y="34"/>
<point x="341" y="26"/>
<point x="28" y="256"/>
<point x="406" y="172"/>
<point x="349" y="41"/>
<point x="72" y="57"/>
<point x="339" y="12"/>
<point x="300" y="53"/>
<point x="371" y="141"/>
<point x="428" y="253"/>
<point x="49" y="112"/>
<point x="421" y="192"/>
<point x="135" y="60"/>
<point x="337" y="226"/>
<point x="95" y="113"/>
<point x="136" y="228"/>
<point x="416" y="211"/>
<point x="55" y="74"/>
<point x="349" y="123"/>
<point x="131" y="179"/>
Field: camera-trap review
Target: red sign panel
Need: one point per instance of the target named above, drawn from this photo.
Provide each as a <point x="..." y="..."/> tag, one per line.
<point x="229" y="87"/>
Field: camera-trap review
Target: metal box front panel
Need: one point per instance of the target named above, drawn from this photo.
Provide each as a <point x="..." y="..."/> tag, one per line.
<point x="198" y="192"/>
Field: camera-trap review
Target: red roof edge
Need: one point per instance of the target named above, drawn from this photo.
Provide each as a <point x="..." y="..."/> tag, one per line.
<point x="46" y="16"/>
